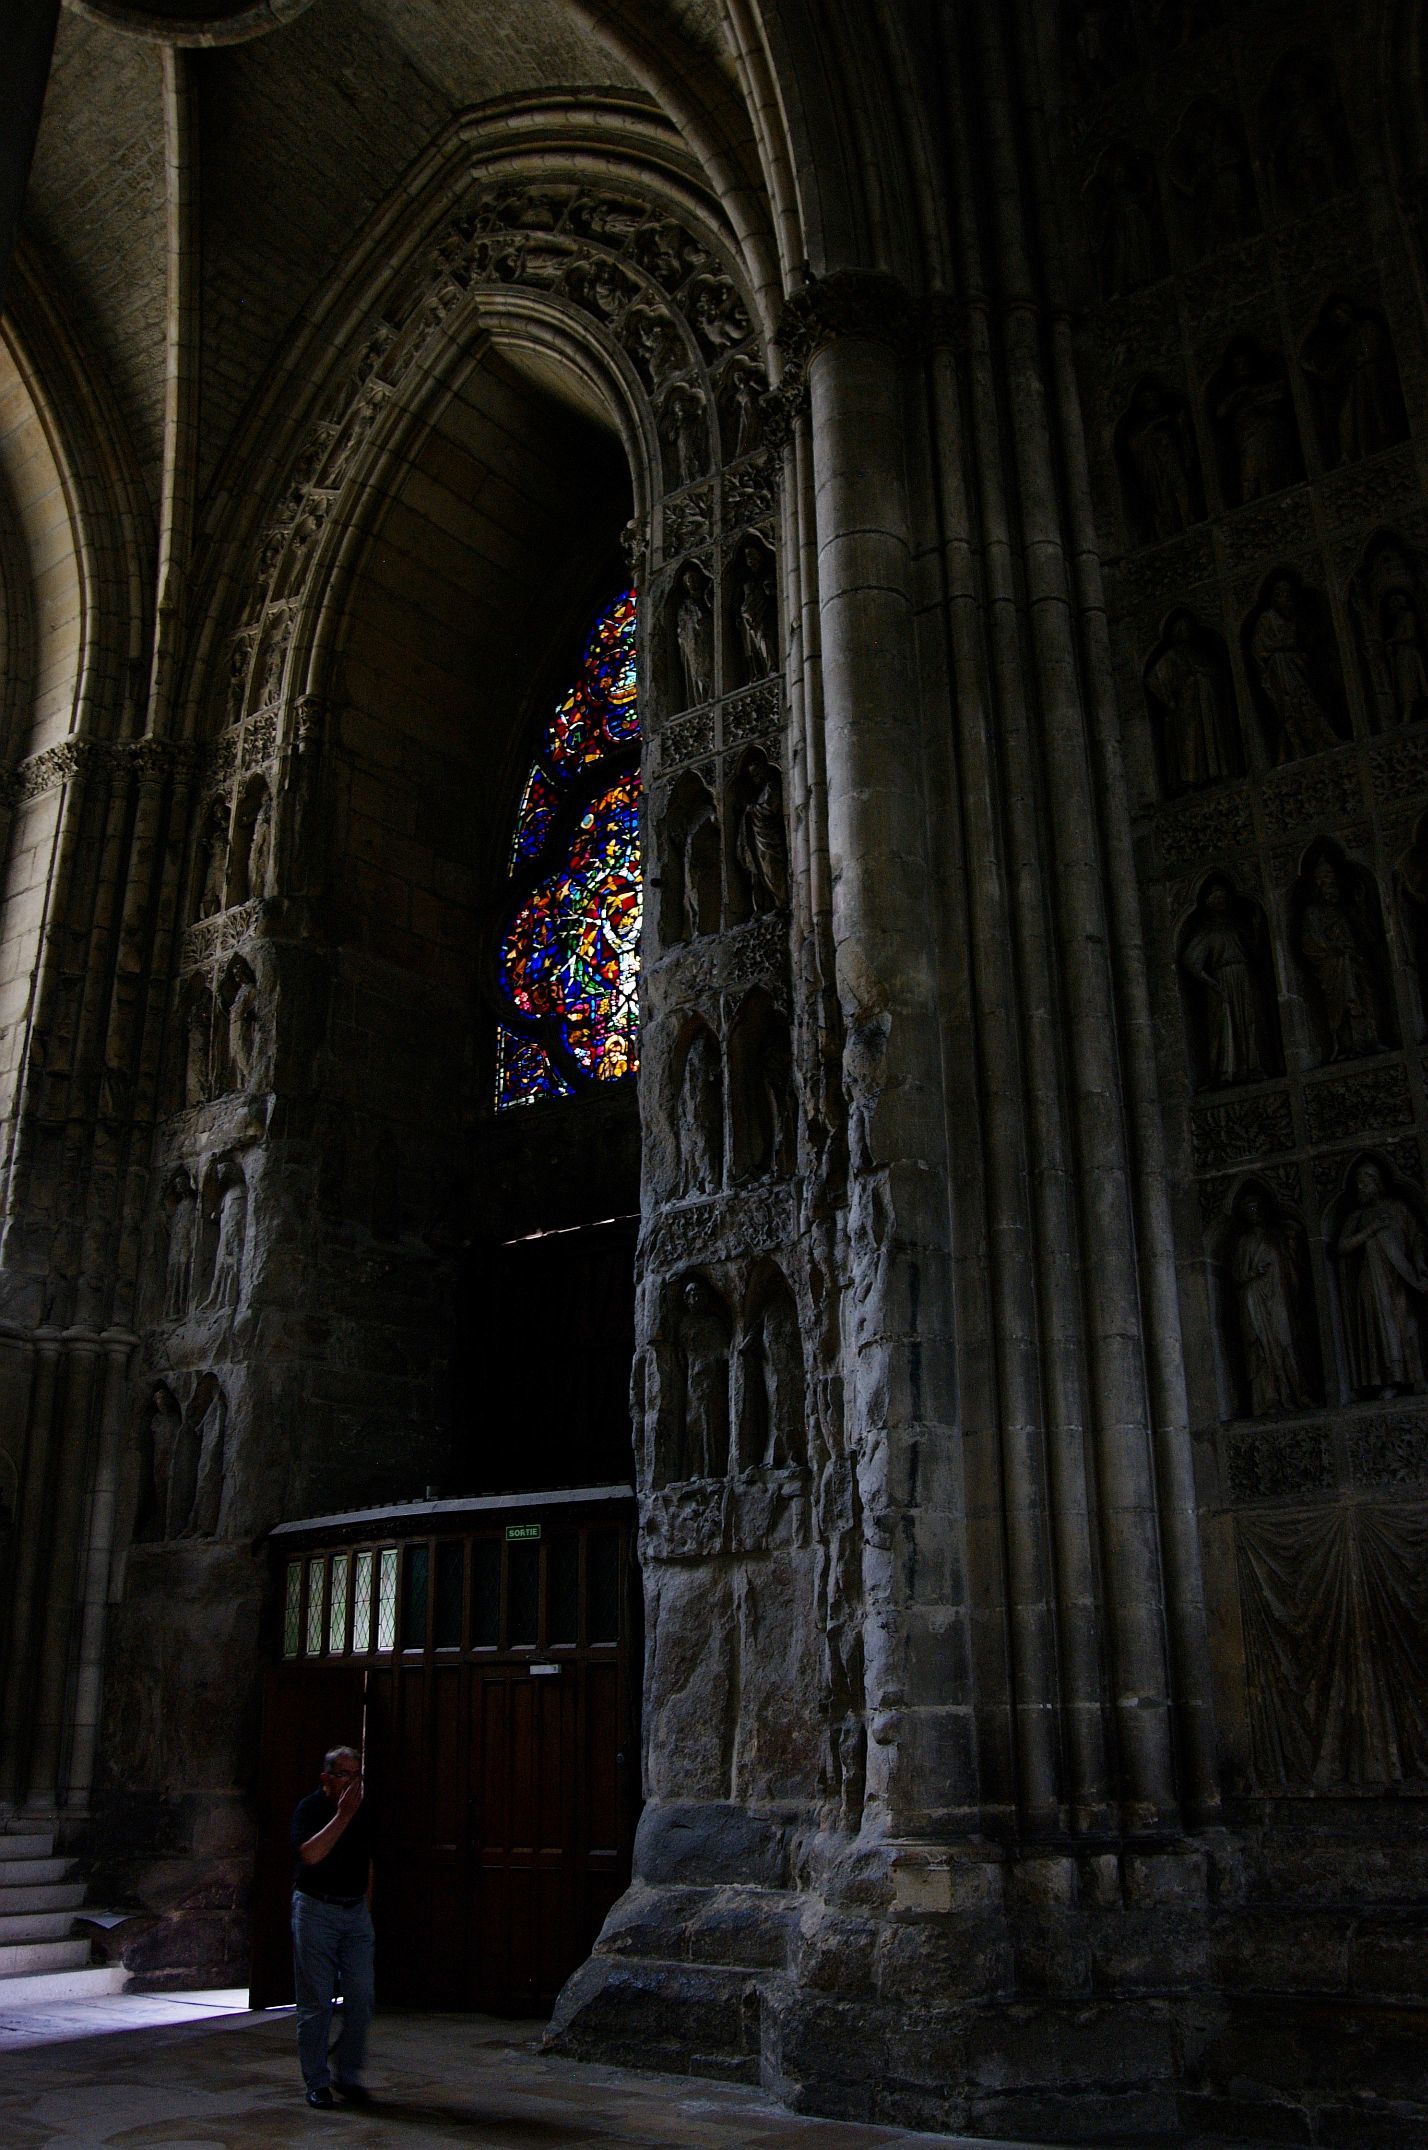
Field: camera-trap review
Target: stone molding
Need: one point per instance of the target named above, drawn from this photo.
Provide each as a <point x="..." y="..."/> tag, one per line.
<point x="80" y="761"/>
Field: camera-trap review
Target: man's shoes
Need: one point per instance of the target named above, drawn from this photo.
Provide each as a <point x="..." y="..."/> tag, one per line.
<point x="322" y="2097"/>
<point x="353" y="2093"/>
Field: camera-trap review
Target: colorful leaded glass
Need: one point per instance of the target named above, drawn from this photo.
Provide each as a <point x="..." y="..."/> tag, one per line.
<point x="567" y="964"/>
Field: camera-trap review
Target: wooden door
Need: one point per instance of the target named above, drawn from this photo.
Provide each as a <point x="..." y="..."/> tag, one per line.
<point x="307" y="1709"/>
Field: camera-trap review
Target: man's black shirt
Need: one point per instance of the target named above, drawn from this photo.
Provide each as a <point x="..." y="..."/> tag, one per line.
<point x="343" y="1873"/>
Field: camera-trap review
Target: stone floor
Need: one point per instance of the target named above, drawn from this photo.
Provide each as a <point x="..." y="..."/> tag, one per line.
<point x="226" y="2081"/>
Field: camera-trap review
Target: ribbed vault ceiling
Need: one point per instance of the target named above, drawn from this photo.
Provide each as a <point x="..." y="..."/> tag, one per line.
<point x="304" y="132"/>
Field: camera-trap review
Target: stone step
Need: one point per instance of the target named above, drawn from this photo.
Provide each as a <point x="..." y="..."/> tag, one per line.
<point x="31" y="1873"/>
<point x="44" y="1986"/>
<point x="29" y="1844"/>
<point x="20" y="1959"/>
<point x="40" y="1896"/>
<point x="34" y="1925"/>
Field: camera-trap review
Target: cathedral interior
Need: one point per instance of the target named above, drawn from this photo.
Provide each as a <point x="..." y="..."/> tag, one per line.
<point x="714" y="1025"/>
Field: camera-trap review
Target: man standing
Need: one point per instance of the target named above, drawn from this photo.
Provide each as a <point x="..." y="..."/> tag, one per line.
<point x="332" y="1928"/>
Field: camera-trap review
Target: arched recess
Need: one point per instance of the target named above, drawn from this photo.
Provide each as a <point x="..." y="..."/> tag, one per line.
<point x="71" y="530"/>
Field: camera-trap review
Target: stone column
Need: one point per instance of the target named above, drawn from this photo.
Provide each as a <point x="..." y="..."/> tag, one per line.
<point x="27" y="37"/>
<point x="897" y="1341"/>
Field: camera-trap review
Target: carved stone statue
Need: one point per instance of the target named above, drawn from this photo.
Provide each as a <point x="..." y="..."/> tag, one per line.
<point x="700" y="894"/>
<point x="1254" y="417"/>
<point x="260" y="844"/>
<point x="741" y="388"/>
<point x="1217" y="957"/>
<point x="699" y="1116"/>
<point x="161" y="1425"/>
<point x="1349" y="359"/>
<point x="694" y="630"/>
<point x="181" y="1204"/>
<point x="1304" y="125"/>
<point x="1264" y="1265"/>
<point x="243" y="1029"/>
<point x="198" y="1048"/>
<point x="717" y="311"/>
<point x="1125" y="231"/>
<point x="1407" y="664"/>
<point x="685" y="433"/>
<point x="1188" y="683"/>
<point x="1385" y="1267"/>
<point x="772" y="1435"/>
<point x="761" y="842"/>
<point x="761" y="1089"/>
<point x="1337" y="940"/>
<point x="200" y="1445"/>
<point x="1210" y="169"/>
<point x="1158" y="464"/>
<point x="653" y="339"/>
<point x="214" y="847"/>
<point x="1288" y="672"/>
<point x="702" y="1448"/>
<point x="226" y="1214"/>
<point x="757" y="613"/>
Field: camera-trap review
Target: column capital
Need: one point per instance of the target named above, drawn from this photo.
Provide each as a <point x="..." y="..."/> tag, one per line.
<point x="864" y="303"/>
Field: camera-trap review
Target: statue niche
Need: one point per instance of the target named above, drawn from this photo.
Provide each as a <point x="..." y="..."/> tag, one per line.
<point x="181" y="1463"/>
<point x="699" y="1429"/>
<point x="743" y="385"/>
<point x="1410" y="878"/>
<point x="1301" y="122"/>
<point x="691" y="884"/>
<point x="753" y="614"/>
<point x="1268" y="1326"/>
<point x="239" y="1029"/>
<point x="223" y="1230"/>
<point x="1210" y="172"/>
<point x="1190" y="693"/>
<point x="684" y="434"/>
<point x="252" y="843"/>
<point x="1124" y="223"/>
<point x="772" y="1404"/>
<point x="1378" y="1238"/>
<point x="1349" y="363"/>
<point x="1292" y="663"/>
<point x="196" y="1006"/>
<point x="760" y="840"/>
<point x="1158" y="463"/>
<point x="760" y="1090"/>
<point x="181" y="1212"/>
<point x="699" y="1110"/>
<point x="1251" y="413"/>
<point x="691" y="615"/>
<point x="1228" y="983"/>
<point x="1336" y="932"/>
<point x="211" y="862"/>
<point x="1388" y="599"/>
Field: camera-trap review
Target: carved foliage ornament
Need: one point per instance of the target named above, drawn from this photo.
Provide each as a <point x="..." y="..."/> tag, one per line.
<point x="619" y="258"/>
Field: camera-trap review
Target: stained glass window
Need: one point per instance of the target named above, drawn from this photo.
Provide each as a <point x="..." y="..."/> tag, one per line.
<point x="568" y="959"/>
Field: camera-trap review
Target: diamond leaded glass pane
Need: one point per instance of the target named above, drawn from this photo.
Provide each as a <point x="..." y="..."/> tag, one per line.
<point x="486" y="1594"/>
<point x="602" y="1587"/>
<point x="362" y="1603"/>
<point x="292" y="1610"/>
<point x="387" y="1599"/>
<point x="562" y="1612"/>
<point x="316" y="1573"/>
<point x="337" y="1605"/>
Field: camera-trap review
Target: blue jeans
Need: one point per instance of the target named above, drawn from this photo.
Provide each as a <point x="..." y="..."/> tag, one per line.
<point x="332" y="1953"/>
